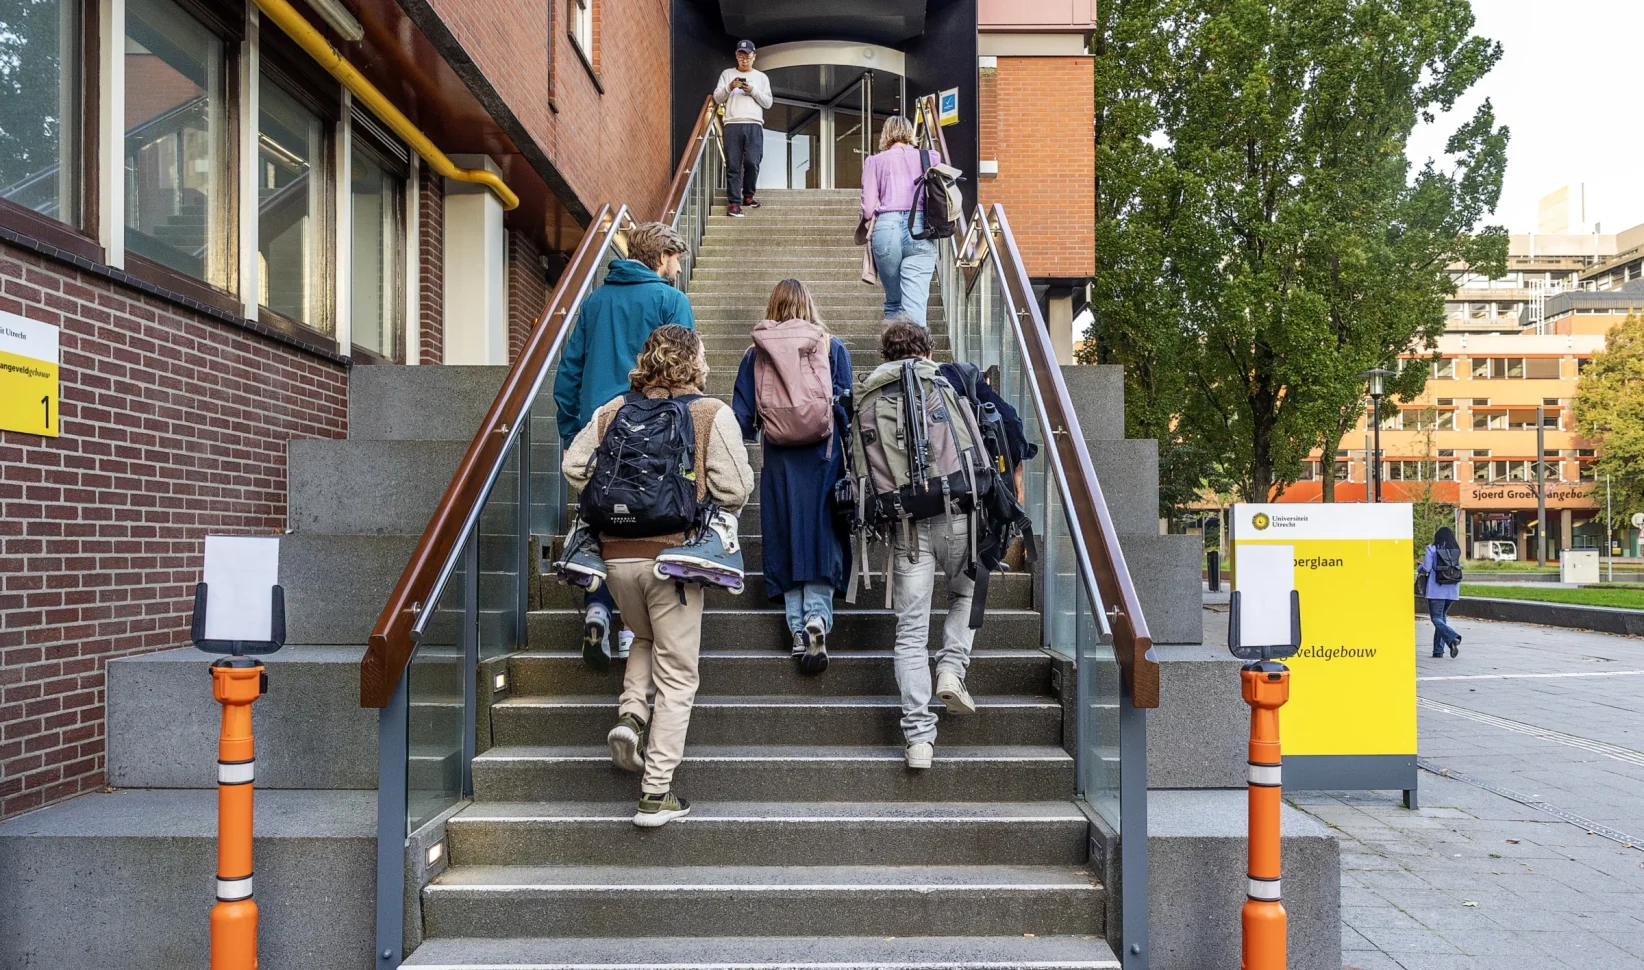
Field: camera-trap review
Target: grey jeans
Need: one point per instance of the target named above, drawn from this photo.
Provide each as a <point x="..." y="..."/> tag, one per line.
<point x="935" y="547"/>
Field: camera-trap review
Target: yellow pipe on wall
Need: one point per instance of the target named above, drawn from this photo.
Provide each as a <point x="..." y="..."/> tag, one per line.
<point x="314" y="43"/>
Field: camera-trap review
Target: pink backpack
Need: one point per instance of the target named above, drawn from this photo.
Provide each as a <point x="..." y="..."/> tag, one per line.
<point x="793" y="382"/>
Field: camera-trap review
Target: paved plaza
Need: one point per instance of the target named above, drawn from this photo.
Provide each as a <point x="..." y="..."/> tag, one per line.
<point x="1525" y="852"/>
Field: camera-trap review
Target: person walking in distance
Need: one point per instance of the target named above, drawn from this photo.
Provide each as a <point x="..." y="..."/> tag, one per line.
<point x="745" y="93"/>
<point x="615" y="321"/>
<point x="1439" y="579"/>
<point x="664" y="409"/>
<point x="919" y="550"/>
<point x="789" y="390"/>
<point x="905" y="264"/>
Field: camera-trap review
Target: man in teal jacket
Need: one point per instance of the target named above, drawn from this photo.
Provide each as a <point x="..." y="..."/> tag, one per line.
<point x="614" y="323"/>
<point x="612" y="327"/>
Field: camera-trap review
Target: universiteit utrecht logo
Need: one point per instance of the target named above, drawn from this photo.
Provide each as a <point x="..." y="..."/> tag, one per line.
<point x="1261" y="521"/>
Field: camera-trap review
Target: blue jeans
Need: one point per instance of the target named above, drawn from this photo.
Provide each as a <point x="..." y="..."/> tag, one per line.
<point x="905" y="264"/>
<point x="1443" y="633"/>
<point x="807" y="600"/>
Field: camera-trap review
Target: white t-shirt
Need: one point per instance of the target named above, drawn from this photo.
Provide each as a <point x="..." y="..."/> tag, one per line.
<point x="740" y="106"/>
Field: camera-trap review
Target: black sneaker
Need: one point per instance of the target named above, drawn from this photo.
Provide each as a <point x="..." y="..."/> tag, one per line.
<point x="734" y="211"/>
<point x="655" y="811"/>
<point x="627" y="743"/>
<point x="815" y="658"/>
<point x="800" y="643"/>
<point x="1455" y="646"/>
<point x="750" y="202"/>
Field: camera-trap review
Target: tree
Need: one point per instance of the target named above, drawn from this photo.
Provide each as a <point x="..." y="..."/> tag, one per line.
<point x="30" y="37"/>
<point x="1261" y="238"/>
<point x="1609" y="411"/>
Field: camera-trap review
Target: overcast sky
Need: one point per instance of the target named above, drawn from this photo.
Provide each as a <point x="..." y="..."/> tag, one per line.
<point x="1567" y="86"/>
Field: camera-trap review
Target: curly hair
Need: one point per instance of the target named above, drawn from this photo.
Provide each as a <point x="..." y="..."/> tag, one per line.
<point x="792" y="300"/>
<point x="902" y="339"/>
<point x="672" y="357"/>
<point x="897" y="131"/>
<point x="649" y="242"/>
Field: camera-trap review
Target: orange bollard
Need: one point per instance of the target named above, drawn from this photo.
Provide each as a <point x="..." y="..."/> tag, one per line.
<point x="1265" y="685"/>
<point x="235" y="683"/>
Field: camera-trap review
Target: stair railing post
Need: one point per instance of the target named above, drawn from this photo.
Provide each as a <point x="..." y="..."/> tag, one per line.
<point x="470" y="660"/>
<point x="1133" y="890"/>
<point x="391" y="752"/>
<point x="522" y="529"/>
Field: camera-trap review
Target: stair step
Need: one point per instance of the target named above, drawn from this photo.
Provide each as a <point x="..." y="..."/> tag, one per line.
<point x="1006" y="952"/>
<point x="785" y="772"/>
<point x="865" y="629"/>
<point x="736" y="719"/>
<point x="776" y="900"/>
<point x="1005" y="591"/>
<point x="772" y="670"/>
<point x="772" y="833"/>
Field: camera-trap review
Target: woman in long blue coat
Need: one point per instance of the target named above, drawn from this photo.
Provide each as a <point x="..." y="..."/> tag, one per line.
<point x="805" y="552"/>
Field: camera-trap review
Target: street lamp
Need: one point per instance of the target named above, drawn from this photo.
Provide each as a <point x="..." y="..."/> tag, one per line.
<point x="1376" y="376"/>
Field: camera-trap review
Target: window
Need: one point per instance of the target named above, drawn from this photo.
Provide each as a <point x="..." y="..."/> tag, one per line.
<point x="582" y="26"/>
<point x="1586" y="452"/>
<point x="1481" y="452"/>
<point x="177" y="210"/>
<point x="40" y="107"/>
<point x="1444" y="471"/>
<point x="377" y="197"/>
<point x="1500" y="368"/>
<point x="1445" y="402"/>
<point x="1444" y="369"/>
<point x="1487" y="421"/>
<point x="1343" y="471"/>
<point x="1431" y="421"/>
<point x="291" y="177"/>
<point x="1587" y="471"/>
<point x="1394" y="421"/>
<point x="1542" y="368"/>
<point x="1447" y="452"/>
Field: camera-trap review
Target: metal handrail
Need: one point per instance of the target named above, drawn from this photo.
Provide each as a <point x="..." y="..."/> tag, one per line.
<point x="416" y="595"/>
<point x="1095" y="540"/>
<point x="707" y="121"/>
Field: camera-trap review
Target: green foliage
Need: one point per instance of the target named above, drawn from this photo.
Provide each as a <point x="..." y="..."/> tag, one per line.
<point x="1609" y="410"/>
<point x="1614" y="595"/>
<point x="1261" y="237"/>
<point x="29" y="125"/>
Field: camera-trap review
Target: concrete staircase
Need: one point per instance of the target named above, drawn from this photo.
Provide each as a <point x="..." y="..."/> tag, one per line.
<point x="810" y="842"/>
<point x="145" y="848"/>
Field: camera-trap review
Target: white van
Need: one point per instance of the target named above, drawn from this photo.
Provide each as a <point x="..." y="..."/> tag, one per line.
<point x="1499" y="550"/>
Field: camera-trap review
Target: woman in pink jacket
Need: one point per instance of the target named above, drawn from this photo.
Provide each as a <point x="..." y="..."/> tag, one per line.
<point x="905" y="264"/>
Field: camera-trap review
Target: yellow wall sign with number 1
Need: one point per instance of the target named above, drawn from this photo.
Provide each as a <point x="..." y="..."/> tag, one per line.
<point x="28" y="376"/>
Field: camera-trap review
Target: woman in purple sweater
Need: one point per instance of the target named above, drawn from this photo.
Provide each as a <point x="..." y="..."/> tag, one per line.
<point x="905" y="264"/>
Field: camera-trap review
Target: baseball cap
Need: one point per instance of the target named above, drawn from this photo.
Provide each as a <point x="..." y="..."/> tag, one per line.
<point x="745" y="45"/>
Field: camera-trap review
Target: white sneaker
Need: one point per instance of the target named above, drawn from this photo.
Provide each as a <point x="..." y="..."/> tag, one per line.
<point x="625" y="642"/>
<point x="920" y="753"/>
<point x="951" y="688"/>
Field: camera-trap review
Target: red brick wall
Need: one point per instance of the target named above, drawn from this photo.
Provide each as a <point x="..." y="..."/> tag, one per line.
<point x="1041" y="135"/>
<point x="431" y="266"/>
<point x="527" y="291"/>
<point x="580" y="128"/>
<point x="173" y="424"/>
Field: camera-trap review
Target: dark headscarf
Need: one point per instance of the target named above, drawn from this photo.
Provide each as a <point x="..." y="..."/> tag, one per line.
<point x="1445" y="538"/>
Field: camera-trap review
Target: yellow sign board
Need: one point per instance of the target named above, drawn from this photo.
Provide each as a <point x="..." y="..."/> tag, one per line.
<point x="1353" y="682"/>
<point x="28" y="376"/>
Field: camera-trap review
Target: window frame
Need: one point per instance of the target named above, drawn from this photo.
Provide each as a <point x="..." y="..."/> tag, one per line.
<point x="394" y="159"/>
<point x="231" y="35"/>
<point x="296" y="75"/>
<point x="580" y="14"/>
<point x="77" y="237"/>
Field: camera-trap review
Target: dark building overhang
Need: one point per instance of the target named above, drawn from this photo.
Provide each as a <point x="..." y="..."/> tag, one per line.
<point x="886" y="22"/>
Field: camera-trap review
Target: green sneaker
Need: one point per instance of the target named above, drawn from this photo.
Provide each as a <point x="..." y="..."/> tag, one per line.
<point x="656" y="811"/>
<point x="627" y="741"/>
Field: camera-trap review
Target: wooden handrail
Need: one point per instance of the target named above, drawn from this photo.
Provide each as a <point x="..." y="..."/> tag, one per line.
<point x="1088" y="512"/>
<point x="389" y="650"/>
<point x="689" y="160"/>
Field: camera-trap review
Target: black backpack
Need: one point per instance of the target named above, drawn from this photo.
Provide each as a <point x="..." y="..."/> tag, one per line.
<point x="999" y="518"/>
<point x="1446" y="566"/>
<point x="644" y="481"/>
<point x="938" y="190"/>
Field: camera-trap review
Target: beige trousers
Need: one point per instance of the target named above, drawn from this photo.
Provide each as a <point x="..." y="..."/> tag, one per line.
<point x="662" y="663"/>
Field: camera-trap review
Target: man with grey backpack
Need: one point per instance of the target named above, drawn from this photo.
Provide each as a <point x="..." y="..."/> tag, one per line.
<point x="919" y="472"/>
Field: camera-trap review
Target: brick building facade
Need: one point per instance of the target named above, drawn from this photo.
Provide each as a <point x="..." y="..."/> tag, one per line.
<point x="178" y="394"/>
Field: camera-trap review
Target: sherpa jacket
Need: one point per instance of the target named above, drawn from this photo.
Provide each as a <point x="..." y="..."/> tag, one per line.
<point x="722" y="469"/>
